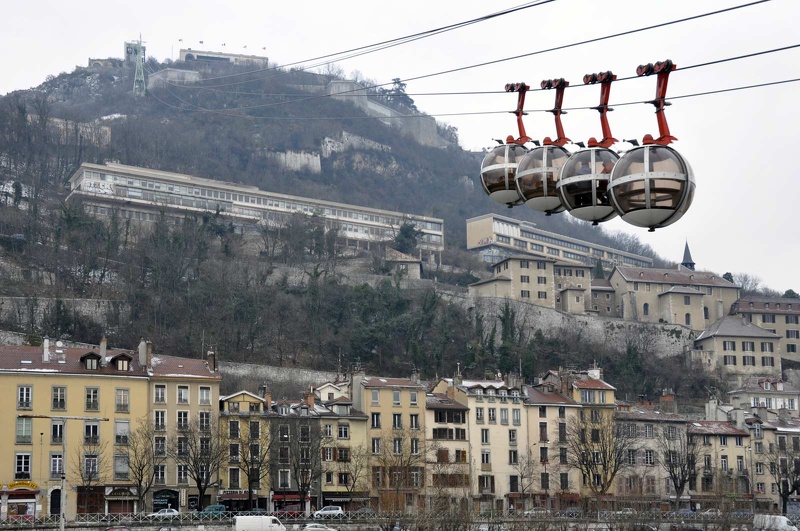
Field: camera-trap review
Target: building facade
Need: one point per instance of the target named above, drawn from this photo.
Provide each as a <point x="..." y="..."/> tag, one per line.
<point x="778" y="315"/>
<point x="495" y="237"/>
<point x="142" y="195"/>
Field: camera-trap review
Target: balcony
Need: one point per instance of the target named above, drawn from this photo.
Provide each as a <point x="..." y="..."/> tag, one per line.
<point x="183" y="426"/>
<point x="479" y="421"/>
<point x="121" y="476"/>
<point x="22" y="475"/>
<point x="23" y="404"/>
<point x="160" y="481"/>
<point x="55" y="473"/>
<point x="91" y="439"/>
<point x="160" y="427"/>
<point x="487" y="491"/>
<point x="122" y="408"/>
<point x="59" y="403"/>
<point x="23" y="439"/>
<point x="183" y="481"/>
<point x="57" y="439"/>
<point x="121" y="439"/>
<point x="92" y="405"/>
<point x="486" y="467"/>
<point x="233" y="459"/>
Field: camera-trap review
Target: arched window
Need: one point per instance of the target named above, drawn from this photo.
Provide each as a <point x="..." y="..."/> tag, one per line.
<point x="687" y="319"/>
<point x="646" y="309"/>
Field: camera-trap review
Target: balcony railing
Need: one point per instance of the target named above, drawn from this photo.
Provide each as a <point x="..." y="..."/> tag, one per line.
<point x="121" y="476"/>
<point x="92" y="405"/>
<point x="55" y="473"/>
<point x="183" y="426"/>
<point x="160" y="481"/>
<point x="233" y="459"/>
<point x="23" y="404"/>
<point x="123" y="408"/>
<point x="91" y="439"/>
<point x="59" y="403"/>
<point x="160" y="427"/>
<point x="56" y="439"/>
<point x="183" y="481"/>
<point x="121" y="439"/>
<point x="23" y="439"/>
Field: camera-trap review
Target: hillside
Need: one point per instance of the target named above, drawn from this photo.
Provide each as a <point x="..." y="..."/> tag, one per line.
<point x="192" y="286"/>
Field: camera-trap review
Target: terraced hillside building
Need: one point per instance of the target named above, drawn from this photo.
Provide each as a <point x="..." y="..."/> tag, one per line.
<point x="777" y="315"/>
<point x="143" y="195"/>
<point x="495" y="237"/>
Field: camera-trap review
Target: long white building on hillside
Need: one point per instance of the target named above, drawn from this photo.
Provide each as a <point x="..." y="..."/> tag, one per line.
<point x="142" y="194"/>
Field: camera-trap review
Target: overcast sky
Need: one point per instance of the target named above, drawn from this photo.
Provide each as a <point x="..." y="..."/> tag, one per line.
<point x="741" y="219"/>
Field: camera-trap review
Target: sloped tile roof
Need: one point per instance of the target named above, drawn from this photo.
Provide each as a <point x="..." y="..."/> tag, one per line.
<point x="673" y="276"/>
<point x="442" y="401"/>
<point x="714" y="427"/>
<point x="592" y="383"/>
<point x="377" y="381"/>
<point x="64" y="360"/>
<point x="735" y="326"/>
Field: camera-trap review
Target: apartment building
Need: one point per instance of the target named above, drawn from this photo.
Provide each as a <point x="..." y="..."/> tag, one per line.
<point x="778" y="315"/>
<point x="538" y="280"/>
<point x="449" y="461"/>
<point x="766" y="392"/>
<point x="184" y="407"/>
<point x="498" y="440"/>
<point x="722" y="460"/>
<point x="244" y="428"/>
<point x="552" y="481"/>
<point x="395" y="408"/>
<point x="682" y="296"/>
<point x="737" y="350"/>
<point x="495" y="237"/>
<point x="143" y="195"/>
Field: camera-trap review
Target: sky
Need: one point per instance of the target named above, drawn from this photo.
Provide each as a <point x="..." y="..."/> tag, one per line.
<point x="741" y="217"/>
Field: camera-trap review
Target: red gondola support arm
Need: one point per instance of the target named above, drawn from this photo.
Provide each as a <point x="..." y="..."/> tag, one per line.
<point x="605" y="79"/>
<point x="559" y="84"/>
<point x="521" y="89"/>
<point x="663" y="69"/>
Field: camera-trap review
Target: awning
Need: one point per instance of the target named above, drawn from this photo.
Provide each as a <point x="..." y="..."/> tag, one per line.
<point x="286" y="497"/>
<point x="237" y="496"/>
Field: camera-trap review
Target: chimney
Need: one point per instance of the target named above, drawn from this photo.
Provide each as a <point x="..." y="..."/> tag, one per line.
<point x="783" y="415"/>
<point x="46" y="350"/>
<point x="414" y="376"/>
<point x="667" y="402"/>
<point x="143" y="354"/>
<point x="309" y="399"/>
<point x="103" y="346"/>
<point x="267" y="398"/>
<point x="149" y="354"/>
<point x="211" y="358"/>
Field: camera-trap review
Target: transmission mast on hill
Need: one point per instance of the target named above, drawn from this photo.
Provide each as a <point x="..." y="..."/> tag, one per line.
<point x="139" y="88"/>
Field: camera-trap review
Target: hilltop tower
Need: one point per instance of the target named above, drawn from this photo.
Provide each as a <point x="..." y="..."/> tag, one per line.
<point x="687" y="262"/>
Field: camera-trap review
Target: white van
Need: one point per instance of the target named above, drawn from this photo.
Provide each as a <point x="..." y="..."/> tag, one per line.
<point x="261" y="523"/>
<point x="772" y="522"/>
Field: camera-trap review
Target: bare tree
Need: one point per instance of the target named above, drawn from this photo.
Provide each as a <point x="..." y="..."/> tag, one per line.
<point x="597" y="448"/>
<point x="356" y="468"/>
<point x="199" y="449"/>
<point x="91" y="465"/>
<point x="305" y="456"/>
<point x="678" y="453"/>
<point x="448" y="491"/>
<point x="399" y="464"/>
<point x="783" y="460"/>
<point x="144" y="453"/>
<point x="525" y="469"/>
<point x="254" y="449"/>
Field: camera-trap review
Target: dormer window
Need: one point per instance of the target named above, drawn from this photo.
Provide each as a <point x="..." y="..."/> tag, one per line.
<point x="283" y="410"/>
<point x="767" y="386"/>
<point x="490" y="392"/>
<point x="342" y="410"/>
<point x="122" y="364"/>
<point x="91" y="364"/>
<point x="303" y="411"/>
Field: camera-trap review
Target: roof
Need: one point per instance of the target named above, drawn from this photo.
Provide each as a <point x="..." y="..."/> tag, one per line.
<point x="681" y="290"/>
<point x="442" y="401"/>
<point x="648" y="413"/>
<point x="777" y="305"/>
<point x="528" y="257"/>
<point x="174" y="367"/>
<point x="592" y="383"/>
<point x="490" y="280"/>
<point x="393" y="255"/>
<point x="377" y="381"/>
<point x="602" y="284"/>
<point x="757" y="384"/>
<point x="341" y="400"/>
<point x="687" y="256"/>
<point x="673" y="276"/>
<point x="714" y="427"/>
<point x="237" y="393"/>
<point x="64" y="360"/>
<point x="536" y="397"/>
<point x="735" y="326"/>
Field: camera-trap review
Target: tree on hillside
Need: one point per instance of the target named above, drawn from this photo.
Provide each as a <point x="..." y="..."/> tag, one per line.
<point x="406" y="238"/>
<point x="790" y="294"/>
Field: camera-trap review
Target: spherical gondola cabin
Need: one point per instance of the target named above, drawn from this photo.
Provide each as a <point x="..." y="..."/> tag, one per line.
<point x="652" y="186"/>
<point x="537" y="178"/>
<point x="499" y="171"/>
<point x="584" y="182"/>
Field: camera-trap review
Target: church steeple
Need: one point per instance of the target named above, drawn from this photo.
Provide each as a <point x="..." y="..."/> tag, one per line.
<point x="688" y="263"/>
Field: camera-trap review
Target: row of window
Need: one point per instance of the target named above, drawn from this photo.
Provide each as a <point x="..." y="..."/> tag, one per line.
<point x="397" y="421"/>
<point x="397" y="446"/>
<point x="58" y="397"/>
<point x="516" y="416"/>
<point x="375" y="398"/>
<point x="526" y="294"/>
<point x="182" y="420"/>
<point x="747" y="346"/>
<point x="748" y="361"/>
<point x="91" y="431"/>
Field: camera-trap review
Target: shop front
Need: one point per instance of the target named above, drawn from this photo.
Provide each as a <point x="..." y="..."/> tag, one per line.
<point x="19" y="501"/>
<point x="165" y="499"/>
<point x="121" y="500"/>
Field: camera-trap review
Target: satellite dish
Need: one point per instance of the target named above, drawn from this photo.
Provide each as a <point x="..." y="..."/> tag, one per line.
<point x="59" y="344"/>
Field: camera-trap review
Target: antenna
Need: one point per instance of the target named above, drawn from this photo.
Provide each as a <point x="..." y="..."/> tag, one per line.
<point x="139" y="88"/>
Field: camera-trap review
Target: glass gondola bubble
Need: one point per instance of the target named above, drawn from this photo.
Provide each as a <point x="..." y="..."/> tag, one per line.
<point x="537" y="178"/>
<point x="499" y="171"/>
<point x="583" y="186"/>
<point x="652" y="186"/>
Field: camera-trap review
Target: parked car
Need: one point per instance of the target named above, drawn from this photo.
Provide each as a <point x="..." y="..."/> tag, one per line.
<point x="572" y="511"/>
<point x="214" y="509"/>
<point x="329" y="511"/>
<point x="255" y="511"/>
<point x="363" y="512"/>
<point x="536" y="511"/>
<point x="317" y="527"/>
<point x="711" y="513"/>
<point x="164" y="513"/>
<point x="117" y="528"/>
<point x="627" y="511"/>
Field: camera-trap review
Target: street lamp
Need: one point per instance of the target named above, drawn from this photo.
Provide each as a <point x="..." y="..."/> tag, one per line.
<point x="751" y="480"/>
<point x="61" y="516"/>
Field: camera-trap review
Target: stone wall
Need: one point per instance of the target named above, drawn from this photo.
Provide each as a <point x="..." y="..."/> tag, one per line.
<point x="28" y="313"/>
<point x="298" y="161"/>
